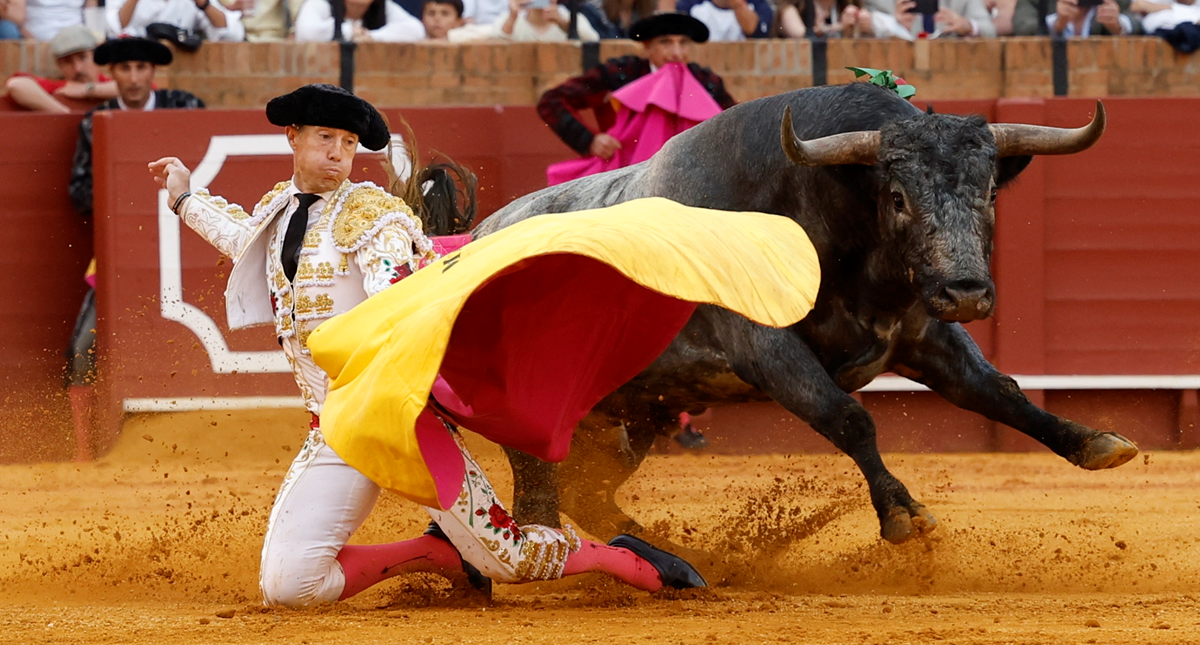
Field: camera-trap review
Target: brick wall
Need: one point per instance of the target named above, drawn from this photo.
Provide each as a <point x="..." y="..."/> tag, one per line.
<point x="247" y="75"/>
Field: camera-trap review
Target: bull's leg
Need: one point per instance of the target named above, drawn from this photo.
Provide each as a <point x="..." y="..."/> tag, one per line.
<point x="950" y="363"/>
<point x="780" y="364"/>
<point x="602" y="458"/>
<point x="535" y="489"/>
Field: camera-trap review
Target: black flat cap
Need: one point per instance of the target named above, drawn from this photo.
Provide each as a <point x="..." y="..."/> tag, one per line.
<point x="332" y="107"/>
<point x="668" y="24"/>
<point x="120" y="50"/>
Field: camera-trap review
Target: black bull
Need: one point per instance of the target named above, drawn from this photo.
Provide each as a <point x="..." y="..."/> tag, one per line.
<point x="900" y="207"/>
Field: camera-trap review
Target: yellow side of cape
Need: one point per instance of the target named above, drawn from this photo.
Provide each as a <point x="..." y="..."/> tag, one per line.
<point x="383" y="356"/>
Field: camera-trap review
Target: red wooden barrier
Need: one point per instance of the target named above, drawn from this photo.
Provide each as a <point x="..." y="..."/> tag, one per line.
<point x="43" y="254"/>
<point x="1095" y="265"/>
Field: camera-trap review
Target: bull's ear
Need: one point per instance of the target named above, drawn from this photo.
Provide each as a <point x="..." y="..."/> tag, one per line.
<point x="1009" y="168"/>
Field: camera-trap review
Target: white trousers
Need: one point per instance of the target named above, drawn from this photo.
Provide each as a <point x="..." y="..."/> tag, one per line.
<point x="323" y="501"/>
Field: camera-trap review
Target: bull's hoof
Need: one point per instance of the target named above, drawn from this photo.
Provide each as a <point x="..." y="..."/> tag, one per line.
<point x="903" y="524"/>
<point x="1105" y="450"/>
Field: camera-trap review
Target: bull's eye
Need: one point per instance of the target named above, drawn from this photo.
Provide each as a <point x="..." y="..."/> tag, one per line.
<point x="898" y="200"/>
<point x="994" y="193"/>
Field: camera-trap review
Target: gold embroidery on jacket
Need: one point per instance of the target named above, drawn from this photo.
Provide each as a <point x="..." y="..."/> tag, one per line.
<point x="361" y="210"/>
<point x="279" y="188"/>
<point x="305" y="271"/>
<point x="304" y="305"/>
<point x="323" y="304"/>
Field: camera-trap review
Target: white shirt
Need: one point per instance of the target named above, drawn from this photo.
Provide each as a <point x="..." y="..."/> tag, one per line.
<point x="722" y="23"/>
<point x="484" y="12"/>
<point x="1169" y="18"/>
<point x="525" y="32"/>
<point x="151" y="103"/>
<point x="312" y="380"/>
<point x="181" y="13"/>
<point x="472" y="31"/>
<point x="45" y="18"/>
<point x="314" y="23"/>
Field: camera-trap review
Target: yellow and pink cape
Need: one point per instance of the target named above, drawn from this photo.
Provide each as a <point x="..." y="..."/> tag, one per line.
<point x="520" y="333"/>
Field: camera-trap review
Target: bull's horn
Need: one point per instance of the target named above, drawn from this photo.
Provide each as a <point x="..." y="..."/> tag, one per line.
<point x="834" y="150"/>
<point x="1013" y="139"/>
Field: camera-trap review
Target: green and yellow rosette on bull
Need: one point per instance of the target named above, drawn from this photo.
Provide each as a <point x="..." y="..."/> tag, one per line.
<point x="886" y="79"/>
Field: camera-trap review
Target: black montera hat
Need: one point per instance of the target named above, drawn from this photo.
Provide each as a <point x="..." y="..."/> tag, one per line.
<point x="120" y="50"/>
<point x="668" y="24"/>
<point x="332" y="107"/>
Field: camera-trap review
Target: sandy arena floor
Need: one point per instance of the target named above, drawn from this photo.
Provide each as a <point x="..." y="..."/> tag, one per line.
<point x="158" y="543"/>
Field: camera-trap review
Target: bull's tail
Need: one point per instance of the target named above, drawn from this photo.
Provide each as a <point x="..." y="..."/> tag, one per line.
<point x="442" y="194"/>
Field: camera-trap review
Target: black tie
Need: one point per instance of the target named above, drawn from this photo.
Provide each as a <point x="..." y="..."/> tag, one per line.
<point x="289" y="255"/>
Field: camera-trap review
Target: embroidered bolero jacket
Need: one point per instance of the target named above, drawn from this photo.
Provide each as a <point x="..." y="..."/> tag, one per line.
<point x="364" y="241"/>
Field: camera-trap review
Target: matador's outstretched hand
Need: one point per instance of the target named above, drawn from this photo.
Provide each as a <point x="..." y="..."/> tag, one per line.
<point x="170" y="173"/>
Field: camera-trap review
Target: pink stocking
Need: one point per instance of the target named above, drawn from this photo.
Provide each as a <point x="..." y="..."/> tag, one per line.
<point x="619" y="563"/>
<point x="366" y="565"/>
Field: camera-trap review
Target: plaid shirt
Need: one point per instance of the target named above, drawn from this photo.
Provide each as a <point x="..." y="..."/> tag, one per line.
<point x="559" y="105"/>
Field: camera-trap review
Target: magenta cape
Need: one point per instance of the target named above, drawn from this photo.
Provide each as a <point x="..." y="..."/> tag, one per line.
<point x="653" y="109"/>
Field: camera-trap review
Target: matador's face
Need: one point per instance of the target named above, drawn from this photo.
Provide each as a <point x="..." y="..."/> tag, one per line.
<point x="323" y="156"/>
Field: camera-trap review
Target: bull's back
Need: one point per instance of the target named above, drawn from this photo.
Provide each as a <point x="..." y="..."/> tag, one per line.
<point x="594" y="191"/>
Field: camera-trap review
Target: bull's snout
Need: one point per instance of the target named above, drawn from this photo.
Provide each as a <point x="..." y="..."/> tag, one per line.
<point x="964" y="301"/>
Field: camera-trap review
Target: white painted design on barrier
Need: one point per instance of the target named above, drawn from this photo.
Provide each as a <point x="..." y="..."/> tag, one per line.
<point x="172" y="305"/>
<point x="195" y="403"/>
<point x="1062" y="382"/>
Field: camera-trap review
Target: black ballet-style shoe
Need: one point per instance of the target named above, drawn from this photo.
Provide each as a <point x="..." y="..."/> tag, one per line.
<point x="674" y="570"/>
<point x="475" y="577"/>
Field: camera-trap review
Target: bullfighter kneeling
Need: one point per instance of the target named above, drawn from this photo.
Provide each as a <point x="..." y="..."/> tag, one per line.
<point x="314" y="247"/>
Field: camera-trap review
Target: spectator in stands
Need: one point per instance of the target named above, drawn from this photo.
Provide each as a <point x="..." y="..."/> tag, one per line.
<point x="1108" y="19"/>
<point x="12" y="19"/>
<point x="960" y="18"/>
<point x="484" y="12"/>
<point x="265" y="20"/>
<point x="1002" y="15"/>
<point x="132" y="63"/>
<point x="529" y="21"/>
<point x="205" y="17"/>
<point x="43" y="19"/>
<point x="82" y="80"/>
<point x="1070" y="19"/>
<point x="832" y="19"/>
<point x="361" y="21"/>
<point x="665" y="38"/>
<point x="440" y="17"/>
<point x="731" y="19"/>
<point x="1165" y="14"/>
<point x="612" y="18"/>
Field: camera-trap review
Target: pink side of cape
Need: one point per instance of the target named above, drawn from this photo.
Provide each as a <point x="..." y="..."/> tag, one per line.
<point x="533" y="351"/>
<point x="653" y="109"/>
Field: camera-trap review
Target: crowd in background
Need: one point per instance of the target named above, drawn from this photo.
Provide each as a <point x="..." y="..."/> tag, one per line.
<point x="190" y="22"/>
